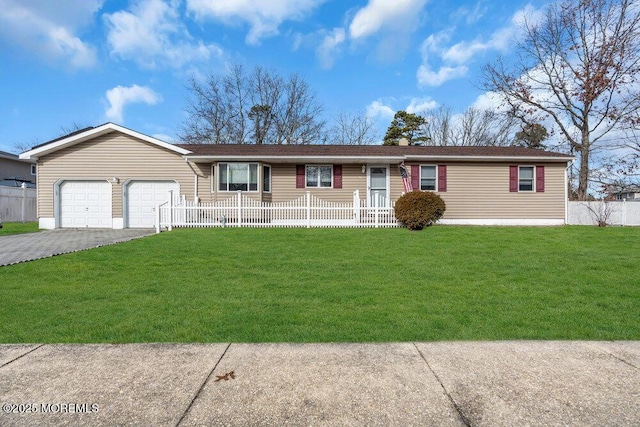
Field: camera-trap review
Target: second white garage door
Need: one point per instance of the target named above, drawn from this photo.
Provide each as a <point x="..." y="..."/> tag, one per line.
<point x="142" y="197"/>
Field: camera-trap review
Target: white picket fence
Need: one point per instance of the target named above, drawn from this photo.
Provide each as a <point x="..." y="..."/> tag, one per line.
<point x="17" y="204"/>
<point x="305" y="211"/>
<point x="613" y="213"/>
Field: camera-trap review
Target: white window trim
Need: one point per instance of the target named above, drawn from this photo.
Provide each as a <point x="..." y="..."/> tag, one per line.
<point x="270" y="180"/>
<point x="33" y="169"/>
<point x="214" y="178"/>
<point x="217" y="178"/>
<point x="318" y="187"/>
<point x="533" y="180"/>
<point x="435" y="190"/>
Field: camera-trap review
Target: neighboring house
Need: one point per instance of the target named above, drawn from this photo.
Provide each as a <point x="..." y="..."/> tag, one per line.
<point x="113" y="177"/>
<point x="624" y="193"/>
<point x="14" y="171"/>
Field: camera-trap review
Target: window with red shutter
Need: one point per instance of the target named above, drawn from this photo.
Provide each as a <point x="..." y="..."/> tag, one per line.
<point x="513" y="179"/>
<point x="539" y="179"/>
<point x="337" y="176"/>
<point x="415" y="177"/>
<point x="442" y="178"/>
<point x="299" y="176"/>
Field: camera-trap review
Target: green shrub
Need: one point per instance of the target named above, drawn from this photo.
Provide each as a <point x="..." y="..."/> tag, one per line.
<point x="418" y="209"/>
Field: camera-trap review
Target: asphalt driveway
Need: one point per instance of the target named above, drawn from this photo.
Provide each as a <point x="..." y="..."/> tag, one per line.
<point x="17" y="248"/>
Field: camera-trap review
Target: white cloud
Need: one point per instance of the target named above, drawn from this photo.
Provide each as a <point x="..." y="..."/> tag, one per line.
<point x="120" y="96"/>
<point x="329" y="47"/>
<point x="263" y="17"/>
<point x="454" y="60"/>
<point x="428" y="77"/>
<point x="48" y="29"/>
<point x="379" y="14"/>
<point x="151" y="31"/>
<point x="379" y="111"/>
<point x="389" y="23"/>
<point x="488" y="101"/>
<point x="421" y="105"/>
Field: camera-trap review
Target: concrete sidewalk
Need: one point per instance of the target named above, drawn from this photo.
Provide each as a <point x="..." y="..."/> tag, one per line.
<point x="421" y="384"/>
<point x="16" y="248"/>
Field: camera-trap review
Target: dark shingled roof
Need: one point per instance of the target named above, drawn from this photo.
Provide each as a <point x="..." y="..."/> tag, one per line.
<point x="363" y="150"/>
<point x="75" y="132"/>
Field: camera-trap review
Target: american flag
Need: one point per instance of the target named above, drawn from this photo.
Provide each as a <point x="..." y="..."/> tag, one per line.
<point x="406" y="179"/>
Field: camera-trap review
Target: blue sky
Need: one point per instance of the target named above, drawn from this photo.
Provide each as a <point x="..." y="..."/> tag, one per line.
<point x="87" y="62"/>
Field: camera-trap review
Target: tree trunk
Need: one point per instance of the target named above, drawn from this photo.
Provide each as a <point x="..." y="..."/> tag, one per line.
<point x="583" y="175"/>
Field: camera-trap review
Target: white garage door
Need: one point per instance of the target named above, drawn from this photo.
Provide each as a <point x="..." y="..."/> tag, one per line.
<point x="142" y="197"/>
<point x="85" y="204"/>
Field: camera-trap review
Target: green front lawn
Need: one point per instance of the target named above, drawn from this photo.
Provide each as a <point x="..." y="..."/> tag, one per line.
<point x="18" y="228"/>
<point x="322" y="285"/>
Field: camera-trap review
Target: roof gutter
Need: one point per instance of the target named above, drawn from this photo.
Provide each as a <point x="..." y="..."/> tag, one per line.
<point x="371" y="159"/>
<point x="293" y="159"/>
<point x="489" y="158"/>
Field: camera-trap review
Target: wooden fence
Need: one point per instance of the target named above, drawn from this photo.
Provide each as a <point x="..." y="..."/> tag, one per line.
<point x="305" y="211"/>
<point x="17" y="204"/>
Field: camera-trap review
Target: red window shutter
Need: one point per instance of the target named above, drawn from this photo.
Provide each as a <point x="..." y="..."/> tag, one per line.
<point x="442" y="178"/>
<point x="299" y="176"/>
<point x="539" y="179"/>
<point x="415" y="177"/>
<point x="513" y="179"/>
<point x="337" y="176"/>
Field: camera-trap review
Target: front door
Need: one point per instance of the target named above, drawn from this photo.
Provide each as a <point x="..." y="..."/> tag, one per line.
<point x="378" y="184"/>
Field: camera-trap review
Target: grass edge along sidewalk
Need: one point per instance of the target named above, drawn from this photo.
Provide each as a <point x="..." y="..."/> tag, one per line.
<point x="333" y="285"/>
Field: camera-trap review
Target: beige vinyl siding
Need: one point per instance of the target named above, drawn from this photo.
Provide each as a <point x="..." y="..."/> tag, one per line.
<point x="283" y="184"/>
<point x="108" y="156"/>
<point x="481" y="191"/>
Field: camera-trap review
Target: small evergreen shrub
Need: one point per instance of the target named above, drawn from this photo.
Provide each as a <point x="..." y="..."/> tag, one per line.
<point x="418" y="209"/>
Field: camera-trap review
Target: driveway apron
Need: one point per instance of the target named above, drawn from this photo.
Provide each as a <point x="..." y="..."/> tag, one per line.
<point x="18" y="248"/>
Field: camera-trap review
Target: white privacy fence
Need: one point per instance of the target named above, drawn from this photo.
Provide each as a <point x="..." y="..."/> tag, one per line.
<point x="17" y="204"/>
<point x="613" y="213"/>
<point x="305" y="211"/>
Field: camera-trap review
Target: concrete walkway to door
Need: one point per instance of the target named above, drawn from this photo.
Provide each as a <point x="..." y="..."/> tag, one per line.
<point x="17" y="248"/>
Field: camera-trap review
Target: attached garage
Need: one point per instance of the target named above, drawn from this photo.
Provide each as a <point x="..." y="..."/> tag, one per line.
<point x="141" y="199"/>
<point x="85" y="204"/>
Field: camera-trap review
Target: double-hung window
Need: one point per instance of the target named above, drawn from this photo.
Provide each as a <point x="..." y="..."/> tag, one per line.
<point x="319" y="176"/>
<point x="428" y="178"/>
<point x="238" y="177"/>
<point x="526" y="178"/>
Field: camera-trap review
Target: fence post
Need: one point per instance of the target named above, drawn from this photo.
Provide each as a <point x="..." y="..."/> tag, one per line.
<point x="158" y="218"/>
<point x="170" y="227"/>
<point x="356" y="207"/>
<point x="376" y="208"/>
<point x="239" y="208"/>
<point x="308" y="209"/>
<point x="24" y="202"/>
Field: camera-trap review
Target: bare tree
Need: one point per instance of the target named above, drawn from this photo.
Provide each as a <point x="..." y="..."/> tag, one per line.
<point x="440" y="127"/>
<point x="64" y="132"/>
<point x="578" y="66"/>
<point x="475" y="127"/>
<point x="256" y="108"/>
<point x="352" y="129"/>
<point x="298" y="116"/>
